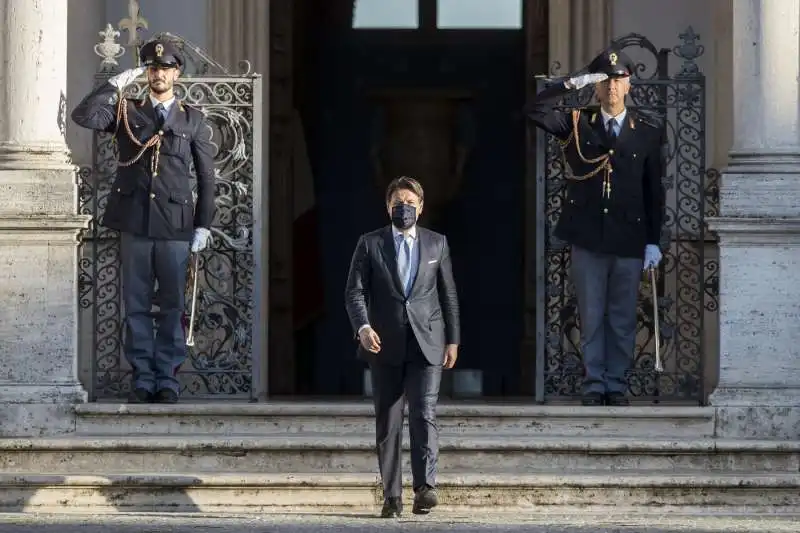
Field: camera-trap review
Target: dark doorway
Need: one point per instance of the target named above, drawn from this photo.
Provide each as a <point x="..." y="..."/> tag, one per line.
<point x="440" y="104"/>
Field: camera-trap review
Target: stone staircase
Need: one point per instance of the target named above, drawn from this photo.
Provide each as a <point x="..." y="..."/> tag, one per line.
<point x="357" y="418"/>
<point x="235" y="458"/>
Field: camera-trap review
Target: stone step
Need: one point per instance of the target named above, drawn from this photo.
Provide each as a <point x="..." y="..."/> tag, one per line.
<point x="530" y="492"/>
<point x="328" y="452"/>
<point x="282" y="418"/>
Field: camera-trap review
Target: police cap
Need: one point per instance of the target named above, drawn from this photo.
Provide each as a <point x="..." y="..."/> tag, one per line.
<point x="613" y="62"/>
<point x="159" y="53"/>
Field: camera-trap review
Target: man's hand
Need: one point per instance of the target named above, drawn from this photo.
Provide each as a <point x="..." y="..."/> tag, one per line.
<point x="369" y="340"/>
<point x="201" y="240"/>
<point x="579" y="82"/>
<point x="652" y="256"/>
<point x="125" y="78"/>
<point x="450" y="355"/>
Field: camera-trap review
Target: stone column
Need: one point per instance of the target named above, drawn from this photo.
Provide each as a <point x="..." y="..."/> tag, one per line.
<point x="38" y="225"/>
<point x="759" y="229"/>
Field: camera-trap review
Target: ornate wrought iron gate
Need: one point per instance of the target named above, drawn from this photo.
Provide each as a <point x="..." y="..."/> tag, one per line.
<point x="229" y="329"/>
<point x="687" y="287"/>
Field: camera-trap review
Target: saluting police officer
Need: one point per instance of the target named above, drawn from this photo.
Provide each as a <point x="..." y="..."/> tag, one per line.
<point x="151" y="205"/>
<point x="611" y="217"/>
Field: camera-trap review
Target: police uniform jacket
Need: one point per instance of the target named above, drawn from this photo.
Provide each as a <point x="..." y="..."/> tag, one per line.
<point x="147" y="200"/>
<point x="620" y="221"/>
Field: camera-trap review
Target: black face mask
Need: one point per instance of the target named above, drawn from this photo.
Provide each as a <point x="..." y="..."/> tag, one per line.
<point x="403" y="216"/>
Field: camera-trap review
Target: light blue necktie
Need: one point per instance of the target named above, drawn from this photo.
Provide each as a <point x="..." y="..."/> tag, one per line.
<point x="404" y="263"/>
<point x="613" y="130"/>
<point x="162" y="113"/>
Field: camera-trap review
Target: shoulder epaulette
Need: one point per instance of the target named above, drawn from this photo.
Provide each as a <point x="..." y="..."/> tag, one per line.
<point x="650" y="118"/>
<point x="189" y="107"/>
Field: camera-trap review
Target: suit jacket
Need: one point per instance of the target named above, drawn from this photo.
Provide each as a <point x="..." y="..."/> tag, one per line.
<point x="374" y="296"/>
<point x="631" y="218"/>
<point x="157" y="206"/>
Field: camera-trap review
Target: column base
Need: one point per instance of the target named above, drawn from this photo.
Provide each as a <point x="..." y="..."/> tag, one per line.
<point x="759" y="386"/>
<point x="757" y="413"/>
<point x="35" y="156"/>
<point x="37" y="193"/>
<point x="38" y="324"/>
<point x="39" y="410"/>
<point x="761" y="184"/>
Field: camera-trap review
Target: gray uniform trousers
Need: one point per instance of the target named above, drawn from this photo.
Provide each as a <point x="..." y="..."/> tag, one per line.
<point x="154" y="353"/>
<point x="607" y="288"/>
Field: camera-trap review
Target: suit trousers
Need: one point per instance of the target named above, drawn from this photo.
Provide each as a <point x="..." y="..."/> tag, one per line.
<point x="418" y="381"/>
<point x="155" y="345"/>
<point x="607" y="288"/>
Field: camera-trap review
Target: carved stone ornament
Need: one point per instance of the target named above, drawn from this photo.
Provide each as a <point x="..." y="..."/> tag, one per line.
<point x="109" y="49"/>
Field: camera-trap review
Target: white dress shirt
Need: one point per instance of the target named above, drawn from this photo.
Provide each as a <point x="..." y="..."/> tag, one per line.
<point x="167" y="103"/>
<point x="619" y="118"/>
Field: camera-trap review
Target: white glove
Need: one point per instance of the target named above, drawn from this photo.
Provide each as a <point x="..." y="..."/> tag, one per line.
<point x="201" y="240"/>
<point x="652" y="256"/>
<point x="579" y="82"/>
<point x="123" y="79"/>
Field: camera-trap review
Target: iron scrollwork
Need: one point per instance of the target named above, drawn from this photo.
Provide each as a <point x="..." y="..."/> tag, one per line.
<point x="220" y="362"/>
<point x="687" y="284"/>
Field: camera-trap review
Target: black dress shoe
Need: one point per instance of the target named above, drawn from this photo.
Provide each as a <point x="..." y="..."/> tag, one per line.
<point x="140" y="396"/>
<point x="616" y="399"/>
<point x="592" y="399"/>
<point x="166" y="396"/>
<point x="392" y="508"/>
<point x="425" y="499"/>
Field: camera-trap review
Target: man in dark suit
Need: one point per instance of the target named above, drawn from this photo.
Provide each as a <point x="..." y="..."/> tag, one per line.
<point x="403" y="307"/>
<point x="612" y="214"/>
<point x="151" y="205"/>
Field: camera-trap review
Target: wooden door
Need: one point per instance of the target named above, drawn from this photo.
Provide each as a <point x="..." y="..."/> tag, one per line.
<point x="419" y="136"/>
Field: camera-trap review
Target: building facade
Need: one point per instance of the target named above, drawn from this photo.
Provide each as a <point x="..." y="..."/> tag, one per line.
<point x="337" y="99"/>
